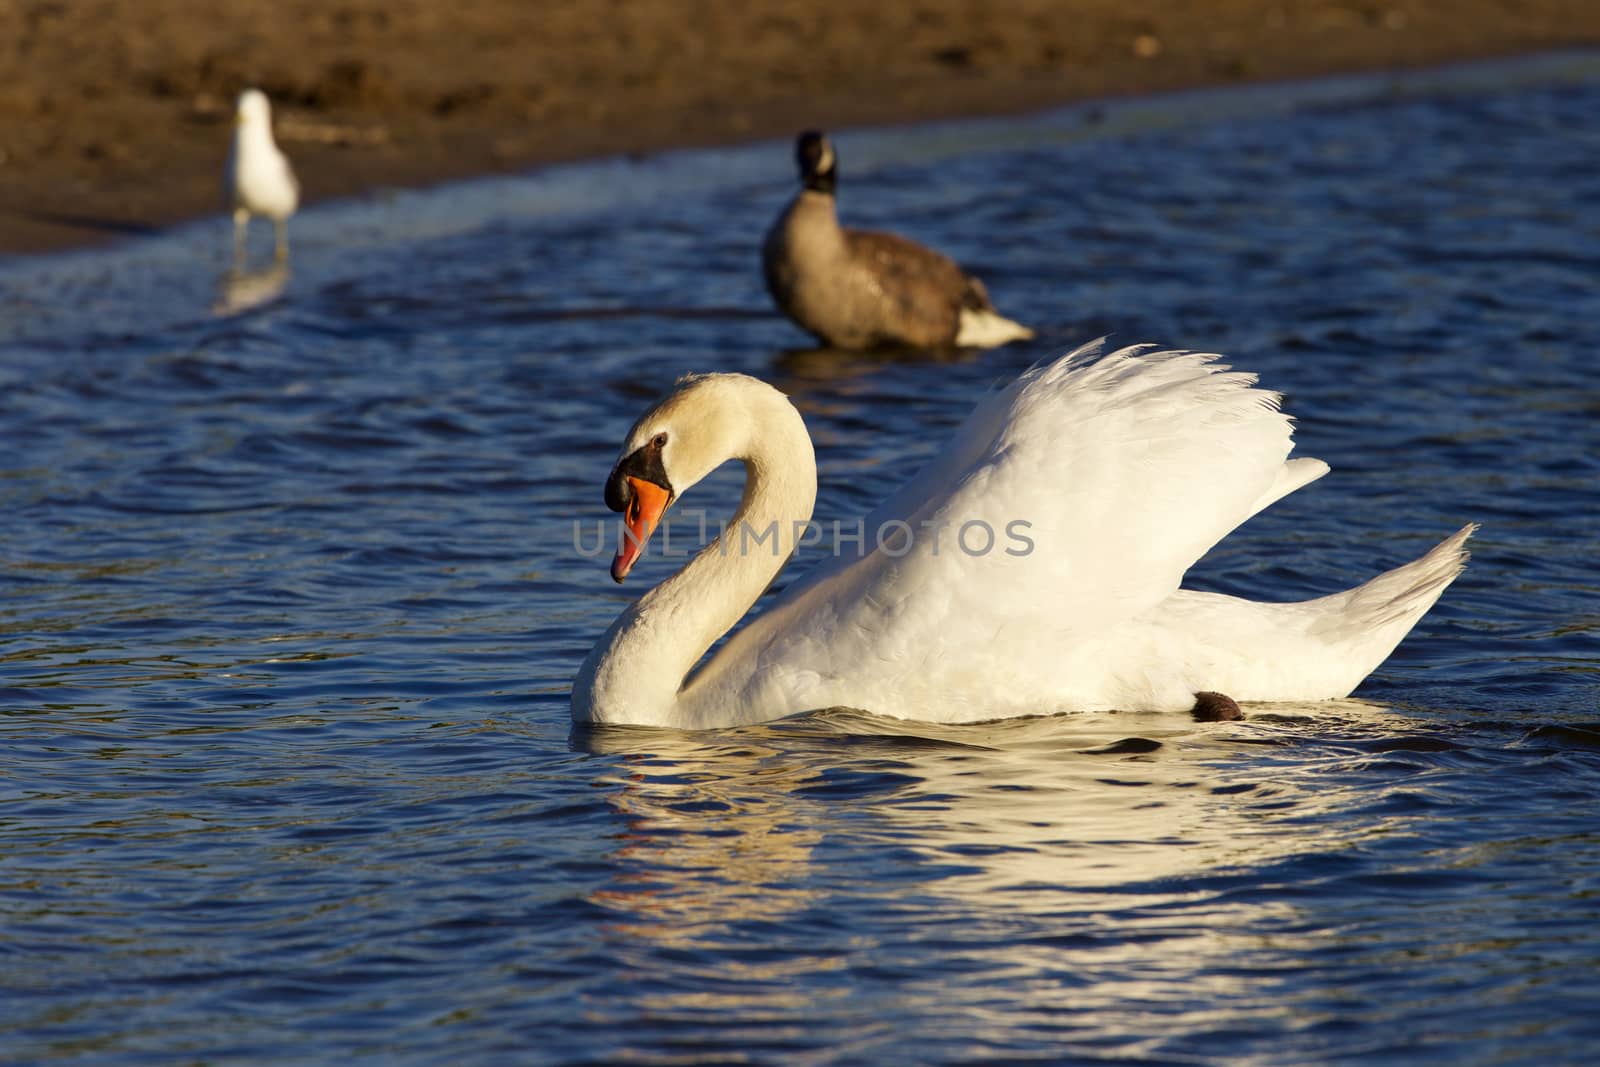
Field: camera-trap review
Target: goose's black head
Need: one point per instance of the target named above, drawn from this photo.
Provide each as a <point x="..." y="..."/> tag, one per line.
<point x="815" y="155"/>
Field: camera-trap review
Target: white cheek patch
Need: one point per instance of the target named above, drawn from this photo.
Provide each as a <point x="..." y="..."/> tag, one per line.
<point x="825" y="161"/>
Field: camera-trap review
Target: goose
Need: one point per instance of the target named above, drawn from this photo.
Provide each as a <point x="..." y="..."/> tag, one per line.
<point x="862" y="289"/>
<point x="258" y="178"/>
<point x="1031" y="567"/>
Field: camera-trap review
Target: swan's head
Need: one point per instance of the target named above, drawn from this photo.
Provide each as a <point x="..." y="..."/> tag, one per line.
<point x="253" y="109"/>
<point x="817" y="162"/>
<point x="704" y="422"/>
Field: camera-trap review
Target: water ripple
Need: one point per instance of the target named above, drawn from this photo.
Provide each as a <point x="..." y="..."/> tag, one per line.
<point x="289" y="601"/>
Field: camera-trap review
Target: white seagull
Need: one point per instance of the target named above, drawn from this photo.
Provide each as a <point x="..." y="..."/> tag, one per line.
<point x="258" y="179"/>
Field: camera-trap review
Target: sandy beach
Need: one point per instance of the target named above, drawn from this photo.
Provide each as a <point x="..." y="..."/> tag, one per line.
<point x="114" y="118"/>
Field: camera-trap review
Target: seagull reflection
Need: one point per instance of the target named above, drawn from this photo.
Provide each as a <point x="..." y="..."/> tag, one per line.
<point x="240" y="290"/>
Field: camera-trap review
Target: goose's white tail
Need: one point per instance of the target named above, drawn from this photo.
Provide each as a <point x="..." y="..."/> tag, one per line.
<point x="985" y="329"/>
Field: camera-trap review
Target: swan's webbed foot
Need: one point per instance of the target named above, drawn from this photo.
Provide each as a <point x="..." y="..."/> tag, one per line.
<point x="1215" y="707"/>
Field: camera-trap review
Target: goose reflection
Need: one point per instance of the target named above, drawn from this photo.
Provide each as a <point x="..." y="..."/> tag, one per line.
<point x="240" y="290"/>
<point x="824" y="364"/>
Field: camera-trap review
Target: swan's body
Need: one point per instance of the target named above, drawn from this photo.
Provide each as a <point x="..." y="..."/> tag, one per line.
<point x="862" y="289"/>
<point x="258" y="179"/>
<point x="1125" y="468"/>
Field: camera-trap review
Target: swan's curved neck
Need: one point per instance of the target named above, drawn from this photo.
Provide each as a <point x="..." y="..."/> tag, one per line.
<point x="637" y="672"/>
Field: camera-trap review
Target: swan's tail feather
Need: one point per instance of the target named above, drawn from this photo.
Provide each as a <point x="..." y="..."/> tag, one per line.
<point x="1318" y="649"/>
<point x="986" y="329"/>
<point x="1400" y="597"/>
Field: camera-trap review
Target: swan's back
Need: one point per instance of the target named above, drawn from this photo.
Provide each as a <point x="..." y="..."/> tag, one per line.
<point x="1068" y="503"/>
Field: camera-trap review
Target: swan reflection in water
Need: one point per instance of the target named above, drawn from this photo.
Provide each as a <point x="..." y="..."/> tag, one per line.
<point x="240" y="290"/>
<point x="1123" y="852"/>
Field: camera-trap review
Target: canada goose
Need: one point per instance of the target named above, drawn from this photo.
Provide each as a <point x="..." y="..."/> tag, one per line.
<point x="860" y="288"/>
<point x="258" y="179"/>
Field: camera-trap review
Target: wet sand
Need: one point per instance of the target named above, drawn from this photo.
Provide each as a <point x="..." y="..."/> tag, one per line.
<point x="115" y="118"/>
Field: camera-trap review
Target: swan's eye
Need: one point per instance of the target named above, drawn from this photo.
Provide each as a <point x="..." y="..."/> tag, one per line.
<point x="659" y="441"/>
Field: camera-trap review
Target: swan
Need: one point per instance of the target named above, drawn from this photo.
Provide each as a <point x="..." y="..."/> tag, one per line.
<point x="258" y="179"/>
<point x="1124" y="469"/>
<point x="860" y="288"/>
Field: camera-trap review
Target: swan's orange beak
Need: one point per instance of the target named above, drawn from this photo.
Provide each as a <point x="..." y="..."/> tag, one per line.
<point x="644" y="511"/>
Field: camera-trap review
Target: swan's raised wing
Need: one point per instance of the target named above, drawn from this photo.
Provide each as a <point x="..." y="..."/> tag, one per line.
<point x="1069" y="502"/>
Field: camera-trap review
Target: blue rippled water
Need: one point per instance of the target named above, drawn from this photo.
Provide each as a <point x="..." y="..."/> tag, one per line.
<point x="289" y="603"/>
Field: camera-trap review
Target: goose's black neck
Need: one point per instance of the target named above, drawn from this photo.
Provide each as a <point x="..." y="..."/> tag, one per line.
<point x="818" y="164"/>
<point x="822" y="183"/>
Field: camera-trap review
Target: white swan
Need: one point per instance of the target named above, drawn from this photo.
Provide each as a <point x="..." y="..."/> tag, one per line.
<point x="1126" y="469"/>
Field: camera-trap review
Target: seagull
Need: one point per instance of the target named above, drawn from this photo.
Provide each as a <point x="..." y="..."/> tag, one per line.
<point x="259" y="180"/>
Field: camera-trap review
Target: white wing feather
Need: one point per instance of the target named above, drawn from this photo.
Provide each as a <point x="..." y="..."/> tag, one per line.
<point x="1126" y="469"/>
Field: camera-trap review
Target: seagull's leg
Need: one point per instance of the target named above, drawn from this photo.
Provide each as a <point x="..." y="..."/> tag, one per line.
<point x="241" y="223"/>
<point x="282" y="228"/>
